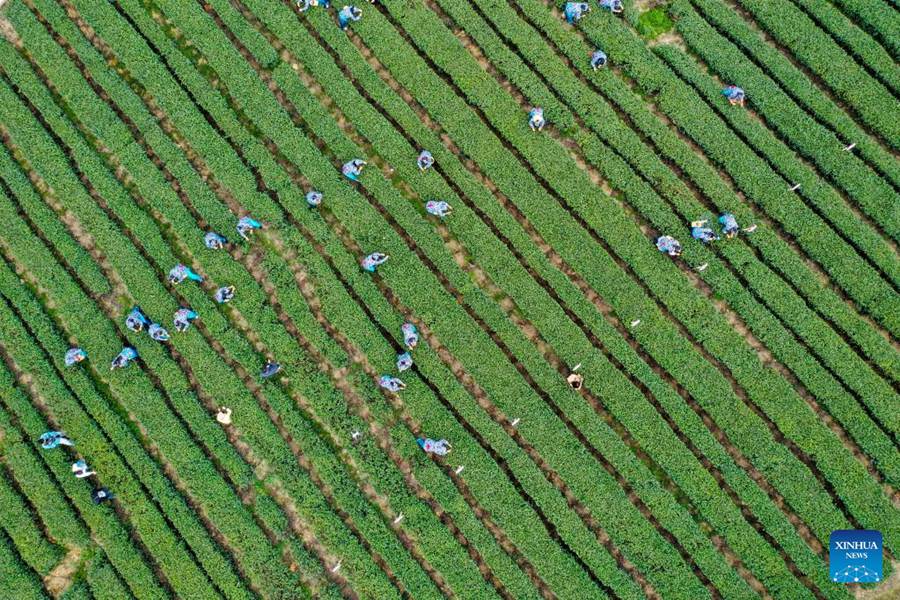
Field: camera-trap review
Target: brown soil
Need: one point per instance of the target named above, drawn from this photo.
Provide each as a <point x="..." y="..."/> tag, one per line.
<point x="59" y="579"/>
<point x="671" y="38"/>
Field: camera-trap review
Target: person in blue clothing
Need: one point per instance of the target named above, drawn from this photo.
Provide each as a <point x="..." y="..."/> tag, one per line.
<point x="574" y="11"/>
<point x="404" y="361"/>
<point x="536" y="119"/>
<point x="699" y="231"/>
<point x="136" y="320"/>
<point x="157" y="332"/>
<point x="438" y="208"/>
<point x="81" y="469"/>
<point x="270" y="369"/>
<point x="74" y="356"/>
<point x="101" y="495"/>
<point x="347" y="15"/>
<point x="224" y="294"/>
<point x="123" y="358"/>
<point x="181" y="272"/>
<point x="374" y="260"/>
<point x="729" y="225"/>
<point x="246" y="226"/>
<point x="425" y="160"/>
<point x="669" y="245"/>
<point x="314" y="198"/>
<point x="734" y="94"/>
<point x="183" y="318"/>
<point x="391" y="384"/>
<point x="430" y="446"/>
<point x="352" y="169"/>
<point x="410" y="335"/>
<point x="51" y="439"/>
<point x="613" y="6"/>
<point x="598" y="59"/>
<point x="214" y="241"/>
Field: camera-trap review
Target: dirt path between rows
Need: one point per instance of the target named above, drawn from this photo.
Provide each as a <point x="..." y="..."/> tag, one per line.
<point x="59" y="579"/>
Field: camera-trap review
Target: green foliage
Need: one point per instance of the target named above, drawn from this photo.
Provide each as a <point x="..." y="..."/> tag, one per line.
<point x="654" y="22"/>
<point x="649" y="460"/>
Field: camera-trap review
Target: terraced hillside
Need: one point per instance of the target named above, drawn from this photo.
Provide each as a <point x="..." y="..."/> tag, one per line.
<point x="739" y="403"/>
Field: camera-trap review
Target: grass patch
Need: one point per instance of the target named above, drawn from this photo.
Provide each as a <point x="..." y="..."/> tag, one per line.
<point x="654" y="22"/>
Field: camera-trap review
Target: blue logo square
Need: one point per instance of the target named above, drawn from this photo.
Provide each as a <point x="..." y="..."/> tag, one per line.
<point x="855" y="556"/>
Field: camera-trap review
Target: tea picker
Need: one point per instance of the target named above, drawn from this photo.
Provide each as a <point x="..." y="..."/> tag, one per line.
<point x="404" y="361"/>
<point x="74" y="356"/>
<point x="613" y="6"/>
<point x="536" y="119"/>
<point x="729" y="225"/>
<point x="51" y="439"/>
<point x="181" y="272"/>
<point x="425" y="160"/>
<point x="735" y="95"/>
<point x="224" y="294"/>
<point x="183" y="318"/>
<point x="438" y="208"/>
<point x="214" y="241"/>
<point x="314" y="199"/>
<point x="574" y="11"/>
<point x="374" y="260"/>
<point x="702" y="233"/>
<point x="410" y="335"/>
<point x="305" y="5"/>
<point x="224" y="416"/>
<point x="352" y="169"/>
<point x="669" y="245"/>
<point x="575" y="380"/>
<point x="391" y="384"/>
<point x="101" y="495"/>
<point x="136" y="320"/>
<point x="81" y="470"/>
<point x="347" y="15"/>
<point x="270" y="369"/>
<point x="430" y="446"/>
<point x="123" y="358"/>
<point x="598" y="59"/>
<point x="158" y="332"/>
<point x="246" y="226"/>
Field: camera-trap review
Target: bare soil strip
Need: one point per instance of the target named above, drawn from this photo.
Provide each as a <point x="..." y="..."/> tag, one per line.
<point x="59" y="579"/>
